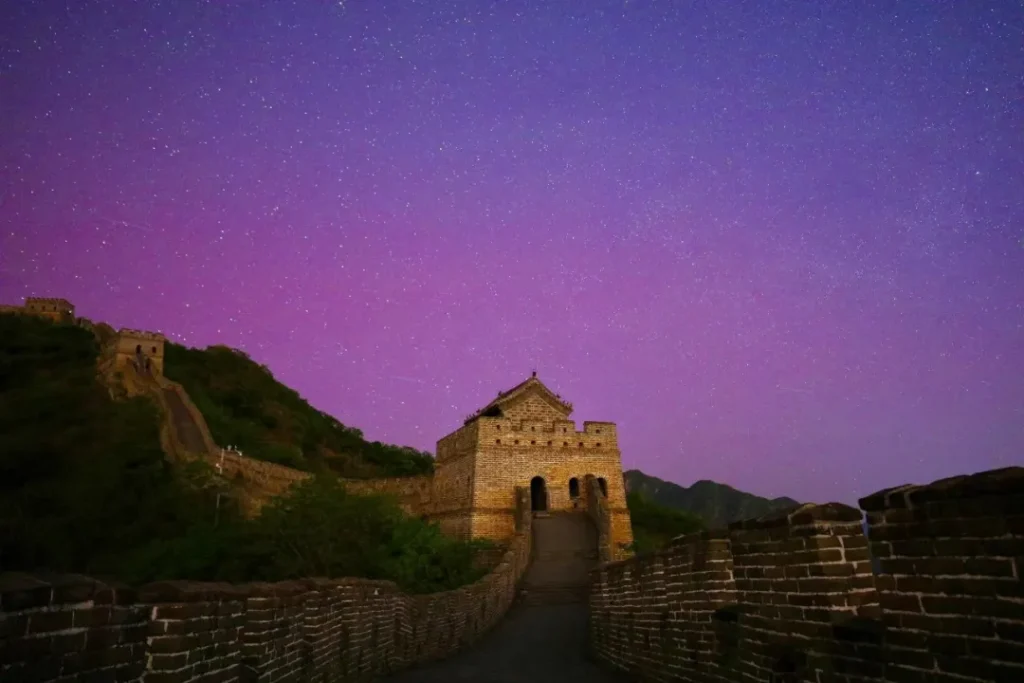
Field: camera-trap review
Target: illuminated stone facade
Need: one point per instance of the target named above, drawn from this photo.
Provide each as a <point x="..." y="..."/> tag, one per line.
<point x="524" y="438"/>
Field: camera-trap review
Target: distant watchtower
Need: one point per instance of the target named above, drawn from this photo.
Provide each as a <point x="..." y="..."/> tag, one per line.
<point x="142" y="350"/>
<point x="58" y="310"/>
<point x="524" y="437"/>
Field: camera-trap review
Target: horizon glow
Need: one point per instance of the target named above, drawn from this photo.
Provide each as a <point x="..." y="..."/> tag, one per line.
<point x="780" y="244"/>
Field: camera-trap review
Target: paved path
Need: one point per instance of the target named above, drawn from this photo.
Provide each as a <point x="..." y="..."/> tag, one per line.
<point x="543" y="638"/>
<point x="184" y="426"/>
<point x="532" y="644"/>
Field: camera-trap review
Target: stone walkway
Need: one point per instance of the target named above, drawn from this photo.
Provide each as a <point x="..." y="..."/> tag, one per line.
<point x="185" y="427"/>
<point x="532" y="644"/>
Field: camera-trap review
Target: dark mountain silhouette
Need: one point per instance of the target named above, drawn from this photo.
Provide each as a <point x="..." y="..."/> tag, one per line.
<point x="717" y="504"/>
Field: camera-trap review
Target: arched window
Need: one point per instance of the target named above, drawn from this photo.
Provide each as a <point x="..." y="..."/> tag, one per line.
<point x="138" y="348"/>
<point x="538" y="494"/>
<point x="574" y="488"/>
<point x="604" y="486"/>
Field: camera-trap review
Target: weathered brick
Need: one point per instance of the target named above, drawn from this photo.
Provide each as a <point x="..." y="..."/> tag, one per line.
<point x="48" y="621"/>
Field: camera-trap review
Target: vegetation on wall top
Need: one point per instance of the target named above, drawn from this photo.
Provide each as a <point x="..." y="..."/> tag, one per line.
<point x="245" y="406"/>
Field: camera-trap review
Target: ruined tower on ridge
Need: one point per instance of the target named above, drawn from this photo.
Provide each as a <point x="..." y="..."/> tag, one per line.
<point x="524" y="437"/>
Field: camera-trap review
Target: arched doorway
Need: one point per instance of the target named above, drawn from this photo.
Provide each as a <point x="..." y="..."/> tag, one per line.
<point x="604" y="486"/>
<point x="538" y="494"/>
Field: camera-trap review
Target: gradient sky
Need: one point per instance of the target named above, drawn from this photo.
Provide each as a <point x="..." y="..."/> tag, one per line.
<point x="781" y="244"/>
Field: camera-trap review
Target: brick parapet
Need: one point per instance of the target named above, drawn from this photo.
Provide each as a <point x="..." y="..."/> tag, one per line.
<point x="263" y="480"/>
<point x="545" y="433"/>
<point x="73" y="628"/>
<point x="127" y="332"/>
<point x="792" y="594"/>
<point x="951" y="555"/>
<point x="48" y="301"/>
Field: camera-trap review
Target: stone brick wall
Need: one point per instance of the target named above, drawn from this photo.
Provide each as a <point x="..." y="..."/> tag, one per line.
<point x="510" y="453"/>
<point x="454" y="480"/>
<point x="597" y="508"/>
<point x="261" y="481"/>
<point x="58" y="310"/>
<point x="791" y="596"/>
<point x="73" y="629"/>
<point x="533" y="408"/>
<point x="150" y="345"/>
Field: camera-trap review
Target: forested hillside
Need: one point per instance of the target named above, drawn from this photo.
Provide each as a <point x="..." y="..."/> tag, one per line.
<point x="717" y="504"/>
<point x="85" y="488"/>
<point x="245" y="406"/>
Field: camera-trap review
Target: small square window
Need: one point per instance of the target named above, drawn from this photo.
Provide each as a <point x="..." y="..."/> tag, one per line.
<point x="549" y="443"/>
<point x="598" y="445"/>
<point x="581" y="444"/>
<point x="565" y="443"/>
<point x="533" y="443"/>
<point x="497" y="441"/>
<point x="517" y="442"/>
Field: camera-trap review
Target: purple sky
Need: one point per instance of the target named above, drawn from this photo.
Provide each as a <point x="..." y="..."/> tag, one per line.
<point x="780" y="243"/>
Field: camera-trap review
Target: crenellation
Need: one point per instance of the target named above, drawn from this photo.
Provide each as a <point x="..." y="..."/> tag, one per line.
<point x="51" y="308"/>
<point x="140" y="351"/>
<point x="793" y="593"/>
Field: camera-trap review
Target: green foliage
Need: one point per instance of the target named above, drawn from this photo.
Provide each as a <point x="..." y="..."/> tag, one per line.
<point x="654" y="525"/>
<point x="81" y="476"/>
<point x="717" y="504"/>
<point x="245" y="406"/>
<point x="85" y="487"/>
<point x="317" y="529"/>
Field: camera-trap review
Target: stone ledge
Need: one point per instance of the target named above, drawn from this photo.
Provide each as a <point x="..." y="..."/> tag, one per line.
<point x="1009" y="480"/>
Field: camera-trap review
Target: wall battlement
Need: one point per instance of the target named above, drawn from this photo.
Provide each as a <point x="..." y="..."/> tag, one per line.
<point x="142" y="334"/>
<point x="551" y="430"/>
<point x="56" y="309"/>
<point x="792" y="597"/>
<point x="73" y="628"/>
<point x="48" y="301"/>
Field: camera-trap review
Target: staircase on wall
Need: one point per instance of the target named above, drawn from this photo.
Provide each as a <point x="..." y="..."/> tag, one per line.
<point x="182" y="435"/>
<point x="564" y="551"/>
<point x="185" y="428"/>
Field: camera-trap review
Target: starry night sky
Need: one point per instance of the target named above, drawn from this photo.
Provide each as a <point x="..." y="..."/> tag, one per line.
<point x="780" y="243"/>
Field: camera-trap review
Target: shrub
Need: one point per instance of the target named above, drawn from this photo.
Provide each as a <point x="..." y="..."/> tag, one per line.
<point x="654" y="525"/>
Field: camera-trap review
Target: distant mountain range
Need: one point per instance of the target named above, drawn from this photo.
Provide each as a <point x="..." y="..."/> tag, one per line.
<point x="718" y="504"/>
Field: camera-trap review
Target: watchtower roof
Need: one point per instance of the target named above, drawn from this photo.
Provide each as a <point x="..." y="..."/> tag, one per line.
<point x="531" y="384"/>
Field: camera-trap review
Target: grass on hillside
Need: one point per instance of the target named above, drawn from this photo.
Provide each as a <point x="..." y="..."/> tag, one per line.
<point x="85" y="488"/>
<point x="655" y="525"/>
<point x="245" y="406"/>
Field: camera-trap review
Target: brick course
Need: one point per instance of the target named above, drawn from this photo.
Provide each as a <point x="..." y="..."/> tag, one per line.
<point x="791" y="596"/>
<point x="71" y="629"/>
